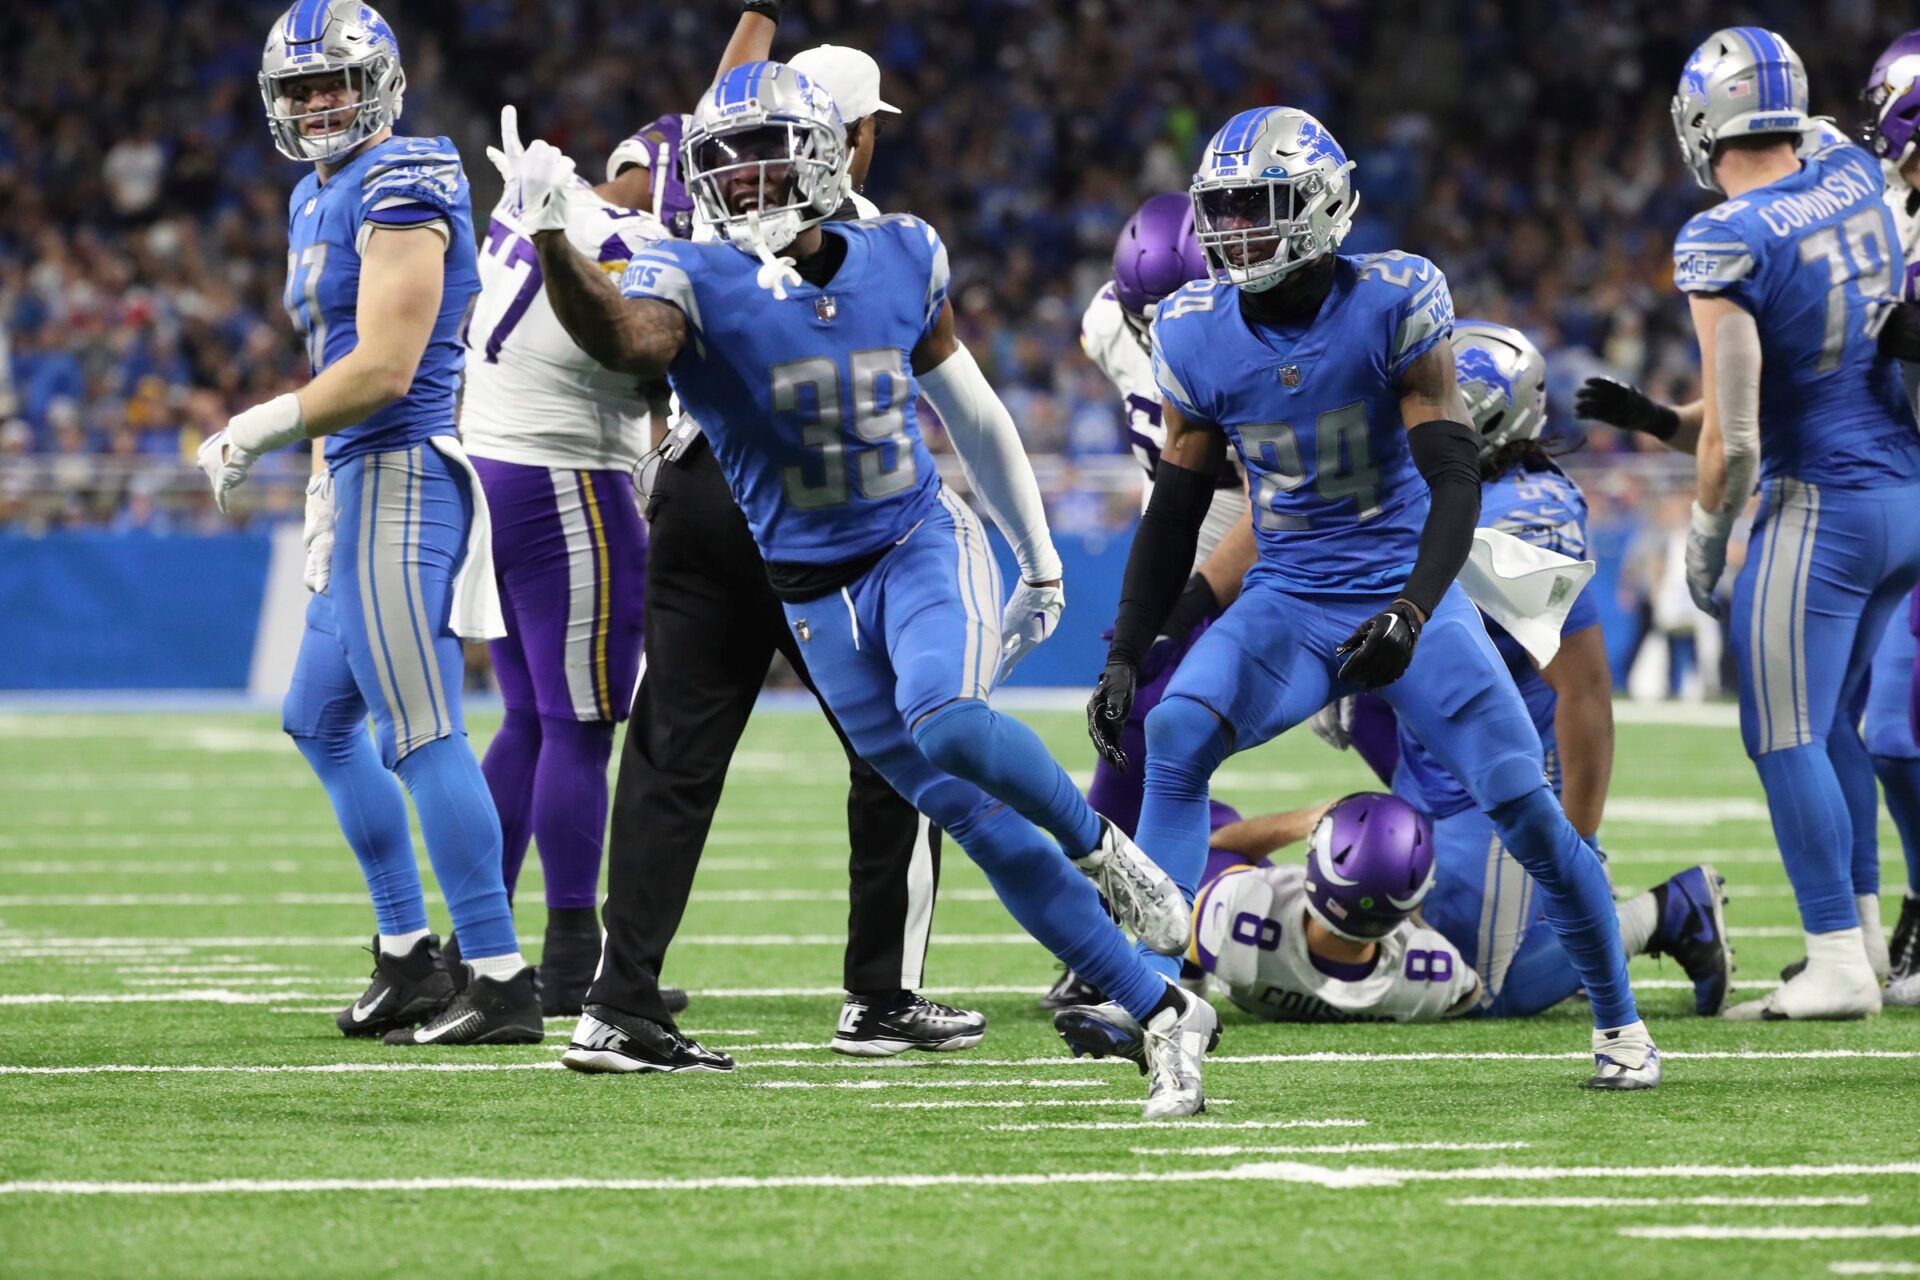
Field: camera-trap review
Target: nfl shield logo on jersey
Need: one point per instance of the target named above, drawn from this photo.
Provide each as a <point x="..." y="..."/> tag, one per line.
<point x="1289" y="375"/>
<point x="826" y="308"/>
<point x="801" y="629"/>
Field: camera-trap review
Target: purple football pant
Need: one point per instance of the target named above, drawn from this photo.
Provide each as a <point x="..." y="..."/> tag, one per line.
<point x="1376" y="736"/>
<point x="1116" y="795"/>
<point x="570" y="554"/>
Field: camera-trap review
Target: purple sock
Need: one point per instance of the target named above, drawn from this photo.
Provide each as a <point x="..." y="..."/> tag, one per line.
<point x="570" y="807"/>
<point x="509" y="768"/>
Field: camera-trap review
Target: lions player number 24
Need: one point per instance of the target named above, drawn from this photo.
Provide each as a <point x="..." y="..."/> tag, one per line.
<point x="1344" y="465"/>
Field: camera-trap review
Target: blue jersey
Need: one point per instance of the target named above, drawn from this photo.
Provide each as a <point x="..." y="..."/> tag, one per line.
<point x="808" y="402"/>
<point x="1540" y="504"/>
<point x="1338" y="504"/>
<point x="401" y="182"/>
<point x="1809" y="255"/>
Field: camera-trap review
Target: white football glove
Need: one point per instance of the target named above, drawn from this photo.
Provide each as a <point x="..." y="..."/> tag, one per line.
<point x="1029" y="619"/>
<point x="317" y="532"/>
<point x="1707" y="536"/>
<point x="1333" y="723"/>
<point x="539" y="176"/>
<point x="226" y="465"/>
<point x="226" y="456"/>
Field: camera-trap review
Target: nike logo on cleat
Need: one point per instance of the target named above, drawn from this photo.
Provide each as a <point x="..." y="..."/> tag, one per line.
<point x="361" y="1012"/>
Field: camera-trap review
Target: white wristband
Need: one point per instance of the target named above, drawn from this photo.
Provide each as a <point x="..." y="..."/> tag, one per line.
<point x="267" y="427"/>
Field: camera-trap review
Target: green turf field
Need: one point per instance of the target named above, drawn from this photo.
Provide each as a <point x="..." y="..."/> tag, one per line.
<point x="178" y="918"/>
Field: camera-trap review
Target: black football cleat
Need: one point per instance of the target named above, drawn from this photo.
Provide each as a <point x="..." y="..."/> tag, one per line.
<point x="675" y="998"/>
<point x="456" y="967"/>
<point x="609" y="1041"/>
<point x="1693" y="930"/>
<point x="874" y="1031"/>
<point x="1903" y="953"/>
<point x="405" y="990"/>
<point x="1070" y="990"/>
<point x="487" y="1011"/>
<point x="569" y="958"/>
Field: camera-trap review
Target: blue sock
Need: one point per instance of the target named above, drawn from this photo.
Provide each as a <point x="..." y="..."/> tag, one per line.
<point x="1853" y="769"/>
<point x="1900" y="779"/>
<point x="1812" y="826"/>
<point x="1185" y="743"/>
<point x="373" y="817"/>
<point x="1000" y="755"/>
<point x="1575" y="895"/>
<point x="462" y="833"/>
<point x="1051" y="900"/>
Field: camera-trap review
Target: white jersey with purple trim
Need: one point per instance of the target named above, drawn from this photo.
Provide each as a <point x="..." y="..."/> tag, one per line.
<point x="1250" y="933"/>
<point x="1110" y="343"/>
<point x="532" y="396"/>
<point x="1903" y="201"/>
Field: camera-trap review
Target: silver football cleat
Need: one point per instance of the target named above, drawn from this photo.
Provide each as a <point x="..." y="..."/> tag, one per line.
<point x="1176" y="1040"/>
<point x="1624" y="1059"/>
<point x="1144" y="897"/>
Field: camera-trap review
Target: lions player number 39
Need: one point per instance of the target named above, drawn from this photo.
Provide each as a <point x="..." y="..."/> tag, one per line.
<point x="810" y="391"/>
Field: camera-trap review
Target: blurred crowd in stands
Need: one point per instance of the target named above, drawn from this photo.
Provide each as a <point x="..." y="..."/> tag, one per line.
<point x="1524" y="145"/>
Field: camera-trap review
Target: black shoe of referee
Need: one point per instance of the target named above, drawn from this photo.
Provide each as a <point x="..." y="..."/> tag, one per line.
<point x="882" y="1027"/>
<point x="487" y="1011"/>
<point x="608" y="1040"/>
<point x="405" y="990"/>
<point x="1069" y="991"/>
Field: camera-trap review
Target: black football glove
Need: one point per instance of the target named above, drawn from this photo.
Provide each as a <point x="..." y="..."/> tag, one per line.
<point x="1629" y="408"/>
<point x="1108" y="709"/>
<point x="1900" y="332"/>
<point x="1378" y="651"/>
<point x="768" y="9"/>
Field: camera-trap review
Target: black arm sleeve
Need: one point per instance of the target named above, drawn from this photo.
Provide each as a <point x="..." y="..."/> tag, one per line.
<point x="1448" y="455"/>
<point x="1161" y="559"/>
<point x="1900" y="335"/>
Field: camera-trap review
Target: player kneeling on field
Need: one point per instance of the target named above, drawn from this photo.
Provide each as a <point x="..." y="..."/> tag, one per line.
<point x="1334" y="940"/>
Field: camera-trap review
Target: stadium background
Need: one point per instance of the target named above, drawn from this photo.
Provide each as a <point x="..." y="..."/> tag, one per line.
<point x="1523" y="146"/>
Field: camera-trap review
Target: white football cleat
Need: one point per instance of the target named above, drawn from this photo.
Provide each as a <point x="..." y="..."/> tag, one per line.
<point x="1624" y="1058"/>
<point x="1144" y="897"/>
<point x="1175" y="1041"/>
<point x="1837" y="983"/>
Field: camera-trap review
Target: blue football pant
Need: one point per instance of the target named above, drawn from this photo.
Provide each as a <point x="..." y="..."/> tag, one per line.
<point x="1269" y="663"/>
<point x="1826" y="568"/>
<point x="400" y="534"/>
<point x="905" y="658"/>
<point x="1890" y="740"/>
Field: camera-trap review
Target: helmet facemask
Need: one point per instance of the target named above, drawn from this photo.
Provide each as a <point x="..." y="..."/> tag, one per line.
<point x="764" y="183"/>
<point x="1257" y="232"/>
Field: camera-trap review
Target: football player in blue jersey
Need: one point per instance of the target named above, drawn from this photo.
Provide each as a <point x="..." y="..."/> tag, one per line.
<point x="1786" y="280"/>
<point x="800" y="345"/>
<point x="1334" y="378"/>
<point x="380" y="269"/>
<point x="1481" y="899"/>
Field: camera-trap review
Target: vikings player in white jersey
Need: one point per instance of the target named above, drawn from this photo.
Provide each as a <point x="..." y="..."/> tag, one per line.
<point x="555" y="436"/>
<point x="1333" y="940"/>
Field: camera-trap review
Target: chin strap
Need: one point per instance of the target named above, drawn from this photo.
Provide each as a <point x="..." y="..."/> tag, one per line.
<point x="775" y="273"/>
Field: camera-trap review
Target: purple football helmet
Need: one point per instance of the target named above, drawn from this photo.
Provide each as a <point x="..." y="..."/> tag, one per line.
<point x="1892" y="96"/>
<point x="657" y="147"/>
<point x="1155" y="255"/>
<point x="1369" y="863"/>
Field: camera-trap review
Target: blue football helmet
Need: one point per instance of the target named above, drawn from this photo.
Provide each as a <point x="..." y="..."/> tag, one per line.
<point x="765" y="124"/>
<point x="1274" y="192"/>
<point x="343" y="36"/>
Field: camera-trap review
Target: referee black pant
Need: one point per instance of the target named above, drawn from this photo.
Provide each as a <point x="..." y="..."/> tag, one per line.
<point x="712" y="625"/>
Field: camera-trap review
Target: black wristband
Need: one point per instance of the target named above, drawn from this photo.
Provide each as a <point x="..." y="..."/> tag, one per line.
<point x="1196" y="604"/>
<point x="1161" y="558"/>
<point x="1900" y="335"/>
<point x="1448" y="455"/>
<point x="768" y="9"/>
<point x="1661" y="422"/>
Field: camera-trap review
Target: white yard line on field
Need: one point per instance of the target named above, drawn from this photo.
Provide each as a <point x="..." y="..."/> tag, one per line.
<point x="1329" y="1148"/>
<point x="1265" y="1171"/>
<point x="218" y="944"/>
<point x="926" y="1084"/>
<point x="1684" y="811"/>
<point x="207" y="995"/>
<point x="1874" y="1268"/>
<point x="1717" y="1231"/>
<point x="1651" y="1202"/>
<point x="1345" y="1056"/>
<point x="1177" y="1126"/>
<point x="131" y="867"/>
<point x="770" y="993"/>
<point x="998" y="1105"/>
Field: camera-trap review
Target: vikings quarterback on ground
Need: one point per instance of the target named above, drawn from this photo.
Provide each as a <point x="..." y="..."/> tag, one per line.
<point x="808" y="400"/>
<point x="1334" y="378"/>
<point x="380" y="269"/>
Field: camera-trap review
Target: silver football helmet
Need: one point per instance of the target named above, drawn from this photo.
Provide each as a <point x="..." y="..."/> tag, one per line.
<point x="1504" y="379"/>
<point x="343" y="36"/>
<point x="1742" y="81"/>
<point x="769" y="140"/>
<point x="1273" y="192"/>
